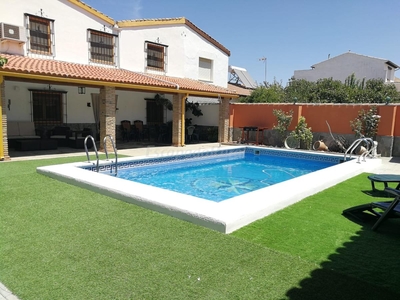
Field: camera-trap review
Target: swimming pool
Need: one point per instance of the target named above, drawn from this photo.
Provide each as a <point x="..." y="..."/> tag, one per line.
<point x="223" y="176"/>
<point x="225" y="216"/>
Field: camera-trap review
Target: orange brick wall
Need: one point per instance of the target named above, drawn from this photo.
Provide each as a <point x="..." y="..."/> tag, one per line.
<point x="337" y="115"/>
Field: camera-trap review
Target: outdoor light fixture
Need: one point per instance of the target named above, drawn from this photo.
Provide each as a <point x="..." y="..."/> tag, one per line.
<point x="294" y="100"/>
<point x="387" y="100"/>
<point x="81" y="90"/>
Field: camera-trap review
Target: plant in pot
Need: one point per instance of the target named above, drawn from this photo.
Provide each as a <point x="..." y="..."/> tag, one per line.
<point x="284" y="119"/>
<point x="303" y="134"/>
<point x="365" y="126"/>
<point x="3" y="61"/>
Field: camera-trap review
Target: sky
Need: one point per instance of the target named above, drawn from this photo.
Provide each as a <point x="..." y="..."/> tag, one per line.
<point x="289" y="34"/>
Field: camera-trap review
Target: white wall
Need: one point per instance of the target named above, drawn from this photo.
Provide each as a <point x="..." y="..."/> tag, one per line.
<point x="195" y="47"/>
<point x="70" y="26"/>
<point x="340" y="67"/>
<point x="184" y="49"/>
<point x="131" y="105"/>
<point x="210" y="115"/>
<point x="19" y="96"/>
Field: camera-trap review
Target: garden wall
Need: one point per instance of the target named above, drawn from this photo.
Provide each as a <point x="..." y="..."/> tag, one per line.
<point x="337" y="115"/>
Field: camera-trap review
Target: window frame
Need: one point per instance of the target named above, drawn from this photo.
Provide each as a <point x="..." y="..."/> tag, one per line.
<point x="210" y="70"/>
<point x="101" y="55"/>
<point x="40" y="40"/>
<point x="152" y="62"/>
<point x="154" y="112"/>
<point x="52" y="105"/>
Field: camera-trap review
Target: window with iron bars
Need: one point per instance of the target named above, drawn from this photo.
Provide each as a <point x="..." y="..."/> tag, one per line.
<point x="47" y="107"/>
<point x="156" y="56"/>
<point x="41" y="35"/>
<point x="154" y="112"/>
<point x="102" y="47"/>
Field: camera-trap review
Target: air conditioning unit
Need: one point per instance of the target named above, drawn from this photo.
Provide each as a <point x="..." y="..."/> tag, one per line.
<point x="10" y="32"/>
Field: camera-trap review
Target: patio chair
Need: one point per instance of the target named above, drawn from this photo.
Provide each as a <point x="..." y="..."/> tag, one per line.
<point x="138" y="127"/>
<point x="385" y="178"/>
<point x="382" y="210"/>
<point x="126" y="129"/>
<point x="191" y="133"/>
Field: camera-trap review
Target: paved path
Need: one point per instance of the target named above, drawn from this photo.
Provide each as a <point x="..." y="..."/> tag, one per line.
<point x="5" y="294"/>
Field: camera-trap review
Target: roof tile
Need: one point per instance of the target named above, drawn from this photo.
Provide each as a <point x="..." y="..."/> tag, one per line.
<point x="60" y="69"/>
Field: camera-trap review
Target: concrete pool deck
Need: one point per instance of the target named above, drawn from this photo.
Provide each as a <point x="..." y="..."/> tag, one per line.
<point x="225" y="216"/>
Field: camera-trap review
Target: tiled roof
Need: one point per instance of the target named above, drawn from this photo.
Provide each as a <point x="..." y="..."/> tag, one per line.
<point x="239" y="90"/>
<point x="33" y="67"/>
<point x="195" y="85"/>
<point x="54" y="68"/>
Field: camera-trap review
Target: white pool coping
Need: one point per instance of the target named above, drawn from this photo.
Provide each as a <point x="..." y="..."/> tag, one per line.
<point x="226" y="216"/>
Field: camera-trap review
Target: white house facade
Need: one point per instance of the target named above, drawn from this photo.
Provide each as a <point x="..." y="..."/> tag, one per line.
<point x="71" y="65"/>
<point x="346" y="64"/>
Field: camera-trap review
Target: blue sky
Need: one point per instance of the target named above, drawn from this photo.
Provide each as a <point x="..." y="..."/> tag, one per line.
<point x="291" y="34"/>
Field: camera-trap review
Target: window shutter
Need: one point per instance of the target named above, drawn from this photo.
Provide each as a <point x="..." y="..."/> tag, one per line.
<point x="205" y="69"/>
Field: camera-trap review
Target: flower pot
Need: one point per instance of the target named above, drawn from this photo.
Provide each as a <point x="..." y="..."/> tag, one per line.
<point x="320" y="145"/>
<point x="361" y="150"/>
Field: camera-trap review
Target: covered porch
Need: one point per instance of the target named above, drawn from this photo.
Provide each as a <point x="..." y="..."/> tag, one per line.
<point x="99" y="98"/>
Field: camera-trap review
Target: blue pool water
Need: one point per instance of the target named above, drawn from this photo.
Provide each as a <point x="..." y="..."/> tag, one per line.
<point x="222" y="177"/>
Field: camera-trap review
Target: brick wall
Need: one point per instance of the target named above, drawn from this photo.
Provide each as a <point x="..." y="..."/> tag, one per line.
<point x="107" y="116"/>
<point x="4" y="119"/>
<point x="223" y="121"/>
<point x="317" y="115"/>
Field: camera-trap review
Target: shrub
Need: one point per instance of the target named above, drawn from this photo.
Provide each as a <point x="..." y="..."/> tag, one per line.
<point x="366" y="124"/>
<point x="284" y="119"/>
<point x="303" y="133"/>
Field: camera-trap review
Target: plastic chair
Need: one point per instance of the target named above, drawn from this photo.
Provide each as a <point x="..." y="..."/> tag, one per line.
<point x="191" y="133"/>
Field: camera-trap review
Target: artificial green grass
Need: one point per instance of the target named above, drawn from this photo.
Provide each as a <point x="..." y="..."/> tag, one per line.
<point x="315" y="230"/>
<point x="62" y="242"/>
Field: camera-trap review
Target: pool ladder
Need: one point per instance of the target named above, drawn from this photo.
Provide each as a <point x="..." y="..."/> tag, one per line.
<point x="105" y="150"/>
<point x="370" y="147"/>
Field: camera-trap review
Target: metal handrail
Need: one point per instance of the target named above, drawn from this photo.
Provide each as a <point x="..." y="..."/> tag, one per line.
<point x="115" y="152"/>
<point x="95" y="150"/>
<point x="356" y="143"/>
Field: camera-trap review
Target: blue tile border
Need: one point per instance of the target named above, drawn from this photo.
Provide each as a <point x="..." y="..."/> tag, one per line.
<point x="216" y="153"/>
<point x="295" y="154"/>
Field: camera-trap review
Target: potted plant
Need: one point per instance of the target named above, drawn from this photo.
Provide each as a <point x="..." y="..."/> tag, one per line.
<point x="284" y="120"/>
<point x="3" y="61"/>
<point x="303" y="134"/>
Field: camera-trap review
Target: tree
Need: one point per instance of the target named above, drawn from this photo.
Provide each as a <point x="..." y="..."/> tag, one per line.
<point x="270" y="93"/>
<point x="299" y="90"/>
<point x="353" y="90"/>
<point x="330" y="91"/>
